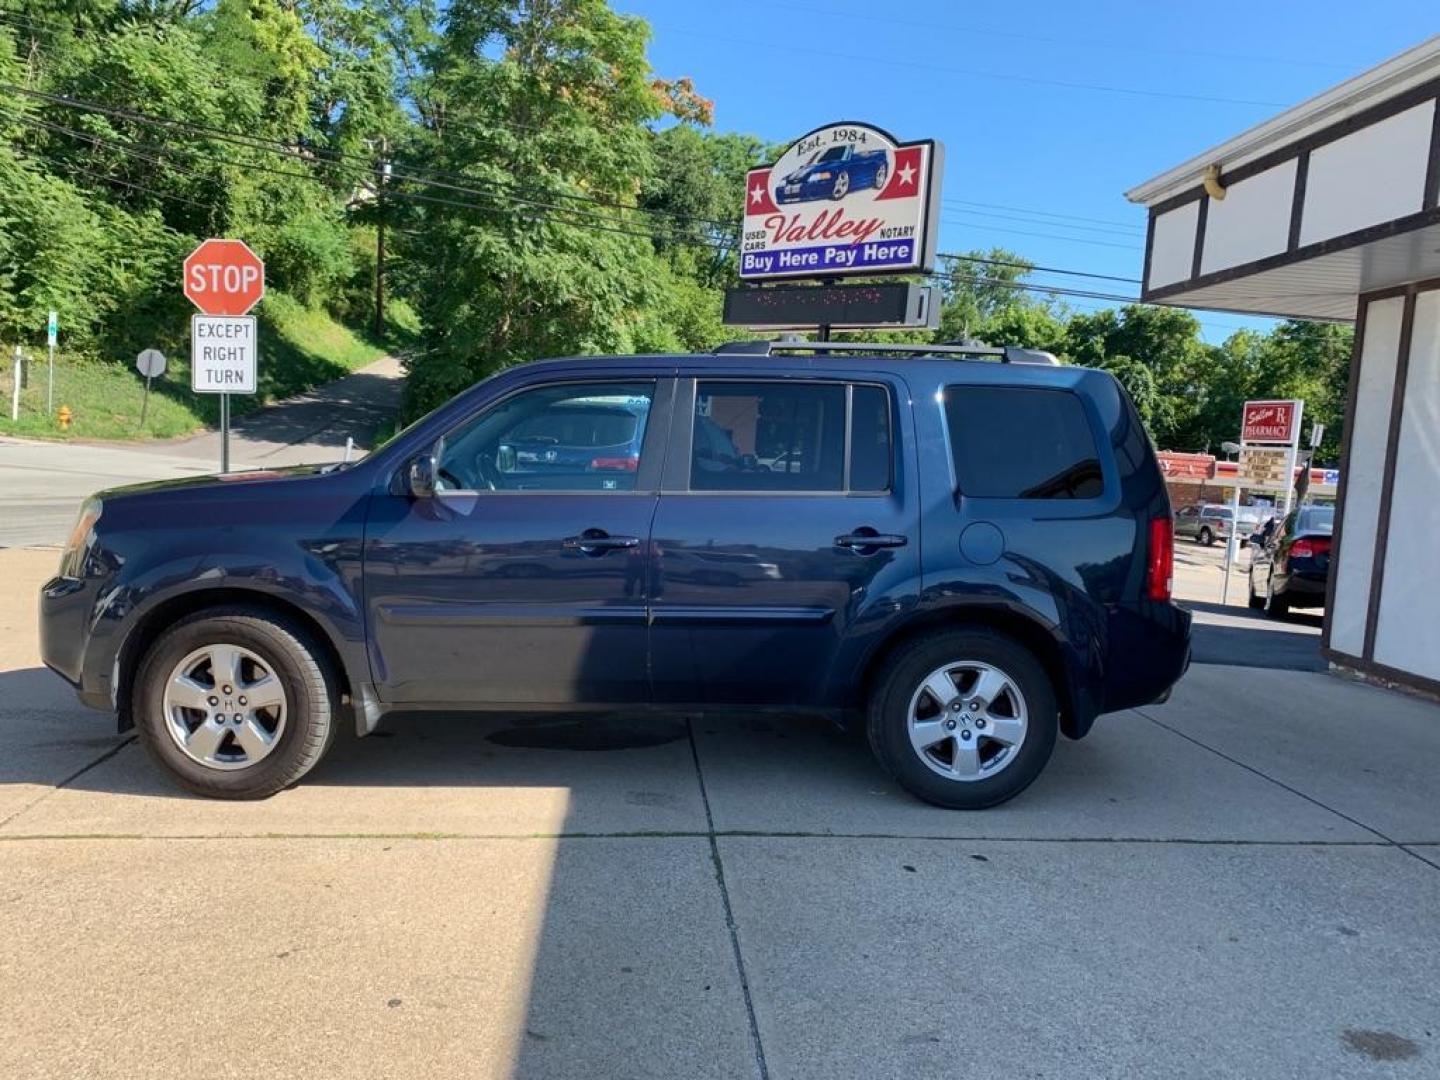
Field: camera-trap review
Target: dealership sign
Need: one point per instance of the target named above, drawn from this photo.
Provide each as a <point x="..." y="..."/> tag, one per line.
<point x="844" y="199"/>
<point x="1270" y="422"/>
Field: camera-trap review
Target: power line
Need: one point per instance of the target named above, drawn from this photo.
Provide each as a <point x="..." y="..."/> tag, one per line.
<point x="71" y="167"/>
<point x="337" y="157"/>
<point x="1046" y="236"/>
<point x="588" y="220"/>
<point x="1043" y="213"/>
<point x="1070" y="42"/>
<point x="496" y="200"/>
<point x="1035" y="80"/>
<point x="1105" y="229"/>
<point x="1032" y="268"/>
<point x="1031" y="287"/>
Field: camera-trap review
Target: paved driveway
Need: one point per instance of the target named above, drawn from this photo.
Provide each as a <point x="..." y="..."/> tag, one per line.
<point x="1240" y="883"/>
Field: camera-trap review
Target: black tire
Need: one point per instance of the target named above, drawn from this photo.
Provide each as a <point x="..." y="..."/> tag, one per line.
<point x="881" y="175"/>
<point x="1257" y="602"/>
<point x="887" y="722"/>
<point x="1277" y="605"/>
<point x="292" y="655"/>
<point x="836" y="190"/>
<point x="1206" y="537"/>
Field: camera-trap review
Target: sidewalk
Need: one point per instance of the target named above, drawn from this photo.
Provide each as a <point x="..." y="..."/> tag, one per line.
<point x="1239" y="883"/>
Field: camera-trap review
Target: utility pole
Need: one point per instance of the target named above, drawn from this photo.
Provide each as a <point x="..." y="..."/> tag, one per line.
<point x="384" y="175"/>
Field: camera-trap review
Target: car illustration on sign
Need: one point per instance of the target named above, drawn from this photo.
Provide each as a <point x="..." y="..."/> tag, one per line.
<point x="833" y="173"/>
<point x="847" y="198"/>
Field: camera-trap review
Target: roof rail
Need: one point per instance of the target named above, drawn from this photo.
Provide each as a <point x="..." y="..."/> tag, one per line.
<point x="1008" y="354"/>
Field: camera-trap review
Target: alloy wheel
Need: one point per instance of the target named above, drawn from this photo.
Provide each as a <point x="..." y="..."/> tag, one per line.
<point x="967" y="720"/>
<point x="225" y="707"/>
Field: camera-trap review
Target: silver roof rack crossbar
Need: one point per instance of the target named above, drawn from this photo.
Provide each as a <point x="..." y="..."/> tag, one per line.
<point x="1008" y="354"/>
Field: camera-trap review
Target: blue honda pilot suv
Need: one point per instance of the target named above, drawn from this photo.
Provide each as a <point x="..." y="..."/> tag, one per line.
<point x="965" y="552"/>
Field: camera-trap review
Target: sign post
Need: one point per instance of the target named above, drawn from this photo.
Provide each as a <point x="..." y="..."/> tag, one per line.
<point x="224" y="279"/>
<point x="1269" y="440"/>
<point x="15" y="391"/>
<point x="52" y="332"/>
<point x="149" y="363"/>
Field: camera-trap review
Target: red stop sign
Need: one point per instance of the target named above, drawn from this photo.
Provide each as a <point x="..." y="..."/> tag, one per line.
<point x="224" y="277"/>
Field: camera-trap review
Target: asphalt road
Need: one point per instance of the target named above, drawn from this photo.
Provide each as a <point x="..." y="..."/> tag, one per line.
<point x="1231" y="633"/>
<point x="1239" y="883"/>
<point x="42" y="484"/>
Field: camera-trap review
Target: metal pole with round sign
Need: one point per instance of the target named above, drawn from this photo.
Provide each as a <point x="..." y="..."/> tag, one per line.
<point x="149" y="363"/>
<point x="224" y="279"/>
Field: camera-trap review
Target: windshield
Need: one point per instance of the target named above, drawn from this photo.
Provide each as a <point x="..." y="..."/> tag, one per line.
<point x="835" y="153"/>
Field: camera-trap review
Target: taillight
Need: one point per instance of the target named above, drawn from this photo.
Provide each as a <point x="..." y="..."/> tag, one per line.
<point x="1160" y="568"/>
<point x="625" y="464"/>
<point x="1307" y="547"/>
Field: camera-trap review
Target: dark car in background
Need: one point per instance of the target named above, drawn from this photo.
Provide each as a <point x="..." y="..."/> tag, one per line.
<point x="833" y="173"/>
<point x="238" y="621"/>
<point x="1291" y="566"/>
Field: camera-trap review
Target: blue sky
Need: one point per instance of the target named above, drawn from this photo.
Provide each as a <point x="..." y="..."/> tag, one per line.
<point x="1048" y="110"/>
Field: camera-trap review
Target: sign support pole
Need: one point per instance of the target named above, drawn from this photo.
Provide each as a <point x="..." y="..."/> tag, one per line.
<point x="15" y="392"/>
<point x="224" y="433"/>
<point x="145" y="401"/>
<point x="1290" y="459"/>
<point x="52" y="328"/>
<point x="1232" y="543"/>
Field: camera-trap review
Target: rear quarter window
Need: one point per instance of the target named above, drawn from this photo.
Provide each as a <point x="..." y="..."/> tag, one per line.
<point x="1022" y="443"/>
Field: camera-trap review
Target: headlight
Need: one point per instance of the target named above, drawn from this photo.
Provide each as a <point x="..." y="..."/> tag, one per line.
<point x="821" y="176"/>
<point x="72" y="562"/>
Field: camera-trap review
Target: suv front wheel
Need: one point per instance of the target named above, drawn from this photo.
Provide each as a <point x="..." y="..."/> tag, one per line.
<point x="235" y="703"/>
<point x="964" y="719"/>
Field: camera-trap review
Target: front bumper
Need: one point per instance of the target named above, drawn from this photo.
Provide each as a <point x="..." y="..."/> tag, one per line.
<point x="65" y="608"/>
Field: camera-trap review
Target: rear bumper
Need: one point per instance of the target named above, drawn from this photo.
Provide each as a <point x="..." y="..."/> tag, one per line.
<point x="1304" y="589"/>
<point x="1149" y="651"/>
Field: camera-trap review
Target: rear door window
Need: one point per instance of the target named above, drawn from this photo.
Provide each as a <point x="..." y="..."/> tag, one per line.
<point x="1022" y="443"/>
<point x="790" y="436"/>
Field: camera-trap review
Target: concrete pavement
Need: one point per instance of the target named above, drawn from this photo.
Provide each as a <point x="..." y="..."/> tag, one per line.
<point x="1238" y="883"/>
<point x="43" y="483"/>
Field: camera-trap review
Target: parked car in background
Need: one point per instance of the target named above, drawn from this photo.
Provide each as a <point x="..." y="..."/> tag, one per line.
<point x="1212" y="521"/>
<point x="1292" y="566"/>
<point x="546" y="448"/>
<point x="238" y="621"/>
<point x="833" y="173"/>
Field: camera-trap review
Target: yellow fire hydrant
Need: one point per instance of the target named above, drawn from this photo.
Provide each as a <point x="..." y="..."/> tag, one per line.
<point x="64" y="417"/>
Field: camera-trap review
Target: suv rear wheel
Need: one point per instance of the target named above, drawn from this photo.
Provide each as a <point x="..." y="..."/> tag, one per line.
<point x="964" y="719"/>
<point x="1206" y="537"/>
<point x="235" y="704"/>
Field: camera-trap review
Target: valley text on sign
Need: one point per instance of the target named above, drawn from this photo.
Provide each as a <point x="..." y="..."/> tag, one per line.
<point x="1270" y="421"/>
<point x="223" y="354"/>
<point x="844" y="199"/>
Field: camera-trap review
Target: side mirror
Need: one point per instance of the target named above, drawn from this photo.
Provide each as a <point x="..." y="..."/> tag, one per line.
<point x="420" y="477"/>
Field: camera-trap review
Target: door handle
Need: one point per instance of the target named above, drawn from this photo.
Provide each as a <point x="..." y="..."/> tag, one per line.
<point x="869" y="538"/>
<point x="598" y="541"/>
